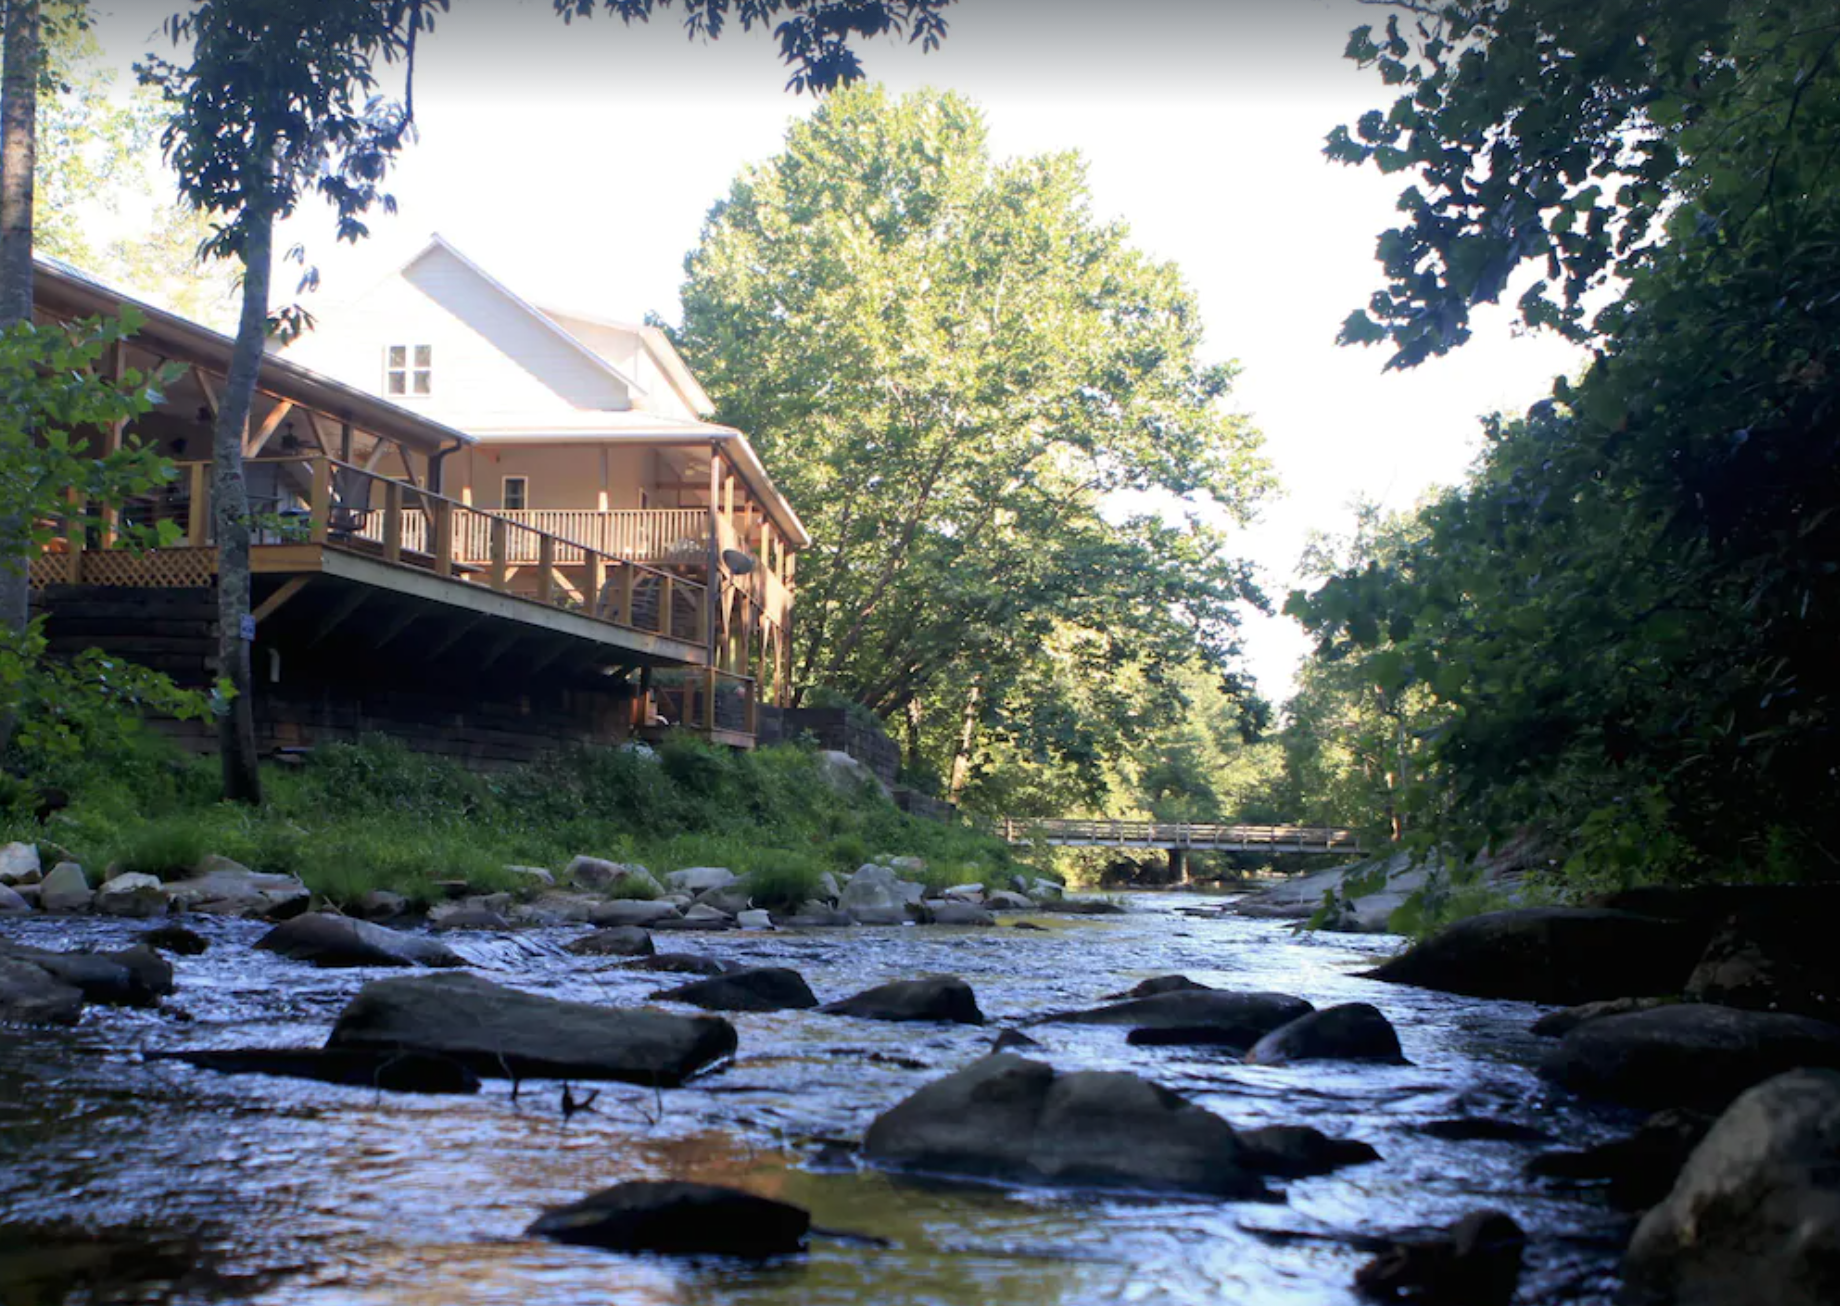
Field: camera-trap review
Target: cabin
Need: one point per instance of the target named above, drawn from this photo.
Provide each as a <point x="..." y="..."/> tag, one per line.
<point x="481" y="527"/>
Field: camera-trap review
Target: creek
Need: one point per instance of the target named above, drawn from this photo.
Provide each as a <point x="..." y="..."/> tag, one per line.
<point x="207" y="1188"/>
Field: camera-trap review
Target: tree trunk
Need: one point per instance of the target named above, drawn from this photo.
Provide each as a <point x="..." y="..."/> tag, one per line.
<point x="18" y="159"/>
<point x="967" y="736"/>
<point x="230" y="515"/>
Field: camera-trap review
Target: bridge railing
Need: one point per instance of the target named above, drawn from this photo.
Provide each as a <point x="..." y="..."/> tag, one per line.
<point x="1076" y="832"/>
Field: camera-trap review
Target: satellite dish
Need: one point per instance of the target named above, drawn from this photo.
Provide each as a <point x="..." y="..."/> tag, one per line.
<point x="737" y="562"/>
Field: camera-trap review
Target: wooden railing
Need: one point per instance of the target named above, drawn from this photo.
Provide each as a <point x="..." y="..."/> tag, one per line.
<point x="660" y="536"/>
<point x="707" y="699"/>
<point x="1177" y="834"/>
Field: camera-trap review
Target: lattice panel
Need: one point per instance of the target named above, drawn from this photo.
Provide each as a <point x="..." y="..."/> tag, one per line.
<point x="158" y="569"/>
<point x="49" y="569"/>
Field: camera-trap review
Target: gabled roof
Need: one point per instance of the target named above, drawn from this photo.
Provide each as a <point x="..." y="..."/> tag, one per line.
<point x="437" y="241"/>
<point x="659" y="346"/>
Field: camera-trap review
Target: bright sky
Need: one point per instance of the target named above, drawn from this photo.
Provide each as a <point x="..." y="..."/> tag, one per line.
<point x="577" y="163"/>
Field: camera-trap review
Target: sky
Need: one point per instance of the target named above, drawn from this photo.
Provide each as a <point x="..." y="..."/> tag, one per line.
<point x="577" y="162"/>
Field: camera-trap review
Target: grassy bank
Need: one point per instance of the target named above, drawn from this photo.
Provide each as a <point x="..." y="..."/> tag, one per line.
<point x="376" y="816"/>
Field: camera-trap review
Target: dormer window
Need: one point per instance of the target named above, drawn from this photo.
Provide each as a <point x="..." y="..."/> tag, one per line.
<point x="408" y="370"/>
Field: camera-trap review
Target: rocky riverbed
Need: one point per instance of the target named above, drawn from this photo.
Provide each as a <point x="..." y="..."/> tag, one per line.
<point x="176" y="1183"/>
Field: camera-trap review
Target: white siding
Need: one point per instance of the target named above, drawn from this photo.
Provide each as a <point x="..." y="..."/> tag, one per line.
<point x="495" y="365"/>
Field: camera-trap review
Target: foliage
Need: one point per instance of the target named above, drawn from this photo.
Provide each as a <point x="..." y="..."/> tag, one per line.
<point x="1628" y="615"/>
<point x="955" y="368"/>
<point x="814" y="35"/>
<point x="374" y="815"/>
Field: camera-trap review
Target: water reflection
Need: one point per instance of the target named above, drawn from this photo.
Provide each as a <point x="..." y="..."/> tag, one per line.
<point x="314" y="1195"/>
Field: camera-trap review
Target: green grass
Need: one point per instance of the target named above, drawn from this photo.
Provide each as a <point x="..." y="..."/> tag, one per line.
<point x="358" y="817"/>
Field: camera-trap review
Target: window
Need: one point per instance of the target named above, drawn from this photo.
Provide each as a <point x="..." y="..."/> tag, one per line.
<point x="408" y="370"/>
<point x="517" y="494"/>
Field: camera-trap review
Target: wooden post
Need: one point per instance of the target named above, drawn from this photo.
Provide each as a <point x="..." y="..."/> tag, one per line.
<point x="500" y="551"/>
<point x="593" y="580"/>
<point x="320" y="502"/>
<point x="443" y="542"/>
<point x="546" y="568"/>
<point x="392" y="521"/>
<point x="667" y="591"/>
<point x="709" y="618"/>
<point x="709" y="699"/>
<point x="623" y="613"/>
<point x="111" y="515"/>
<point x="198" y="506"/>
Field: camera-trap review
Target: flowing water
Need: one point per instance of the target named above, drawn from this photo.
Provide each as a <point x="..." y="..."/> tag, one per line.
<point x="177" y="1185"/>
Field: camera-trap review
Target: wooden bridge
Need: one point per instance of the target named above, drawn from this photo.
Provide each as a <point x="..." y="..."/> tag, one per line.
<point x="1179" y="836"/>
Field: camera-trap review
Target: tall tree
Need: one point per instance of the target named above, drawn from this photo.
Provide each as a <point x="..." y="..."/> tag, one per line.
<point x="19" y="77"/>
<point x="956" y="368"/>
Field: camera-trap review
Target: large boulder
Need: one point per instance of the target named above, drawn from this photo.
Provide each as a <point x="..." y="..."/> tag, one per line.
<point x="1209" y="1016"/>
<point x="1687" y="1054"/>
<point x="501" y="1032"/>
<point x="1476" y="1262"/>
<point x="678" y="1219"/>
<point x="1557" y="1024"/>
<point x="942" y="998"/>
<point x="1354" y="1031"/>
<point x="946" y="912"/>
<point x="132" y="894"/>
<point x="603" y="876"/>
<point x="11" y="903"/>
<point x="876" y="895"/>
<point x="32" y="995"/>
<point x="1637" y="1171"/>
<point x="134" y="977"/>
<point x="221" y="887"/>
<point x="327" y="940"/>
<point x="385" y="1069"/>
<point x="768" y="988"/>
<point x="696" y="879"/>
<point x="19" y="863"/>
<point x="1767" y="961"/>
<point x="730" y="899"/>
<point x="616" y="941"/>
<point x="66" y="888"/>
<point x="1755" y="1215"/>
<point x="1011" y="1119"/>
<point x="1560" y="955"/>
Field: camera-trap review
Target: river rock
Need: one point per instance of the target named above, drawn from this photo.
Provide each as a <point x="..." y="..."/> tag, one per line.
<point x="221" y="887"/>
<point x="151" y="971"/>
<point x="755" y="918"/>
<point x="828" y="887"/>
<point x="1560" y="955"/>
<point x="132" y="894"/>
<point x="1755" y="1215"/>
<point x="730" y="899"/>
<point x="875" y="895"/>
<point x="384" y="1069"/>
<point x="1557" y="1024"/>
<point x="1298" y="1151"/>
<point x="529" y="875"/>
<point x="1477" y="1262"/>
<point x="943" y="912"/>
<point x="1354" y="1031"/>
<point x="1008" y="1118"/>
<point x="175" y="939"/>
<point x="472" y="914"/>
<point x="327" y="940"/>
<point x="632" y="911"/>
<point x="697" y="879"/>
<point x="380" y="905"/>
<point x="678" y="1219"/>
<point x="11" y="904"/>
<point x="1769" y="962"/>
<point x="1159" y="984"/>
<point x="1012" y="1038"/>
<point x="1687" y="1054"/>
<point x="971" y="893"/>
<point x="501" y="1032"/>
<point x="602" y="876"/>
<point x="1638" y="1170"/>
<point x="698" y="916"/>
<point x="619" y="941"/>
<point x="767" y="988"/>
<point x="942" y="998"/>
<point x="32" y="995"/>
<point x="121" y="979"/>
<point x="813" y="914"/>
<point x="19" y="863"/>
<point x="1080" y="906"/>
<point x="1205" y="1016"/>
<point x="65" y="889"/>
<point x="680" y="963"/>
<point x="1004" y="900"/>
